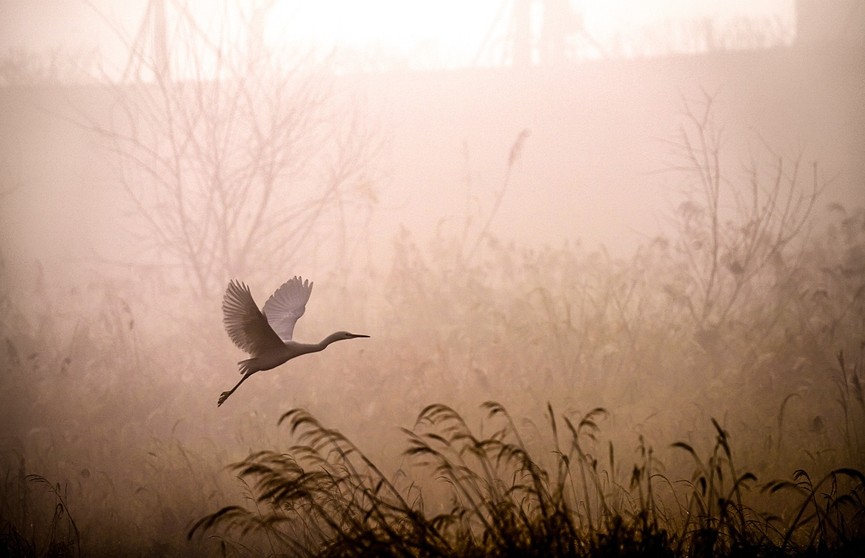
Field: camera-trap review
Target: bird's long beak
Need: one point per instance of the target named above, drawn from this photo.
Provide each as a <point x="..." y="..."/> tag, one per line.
<point x="358" y="335"/>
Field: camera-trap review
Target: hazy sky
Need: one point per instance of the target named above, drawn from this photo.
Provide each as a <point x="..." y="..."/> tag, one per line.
<point x="444" y="32"/>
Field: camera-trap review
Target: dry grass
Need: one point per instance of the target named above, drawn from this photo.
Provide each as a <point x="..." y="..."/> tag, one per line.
<point x="109" y="389"/>
<point x="494" y="497"/>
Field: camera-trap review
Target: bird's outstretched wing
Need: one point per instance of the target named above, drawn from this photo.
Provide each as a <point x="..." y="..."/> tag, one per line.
<point x="286" y="306"/>
<point x="245" y="324"/>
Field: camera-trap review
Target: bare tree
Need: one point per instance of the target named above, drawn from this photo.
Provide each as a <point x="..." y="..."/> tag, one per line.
<point x="737" y="233"/>
<point x="231" y="155"/>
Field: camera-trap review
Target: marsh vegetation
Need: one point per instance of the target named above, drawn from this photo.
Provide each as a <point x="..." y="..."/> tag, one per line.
<point x="700" y="395"/>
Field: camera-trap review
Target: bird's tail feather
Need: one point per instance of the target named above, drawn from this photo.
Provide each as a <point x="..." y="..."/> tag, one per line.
<point x="246" y="366"/>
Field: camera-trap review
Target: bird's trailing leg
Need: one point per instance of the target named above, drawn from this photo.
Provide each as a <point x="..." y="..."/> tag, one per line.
<point x="224" y="395"/>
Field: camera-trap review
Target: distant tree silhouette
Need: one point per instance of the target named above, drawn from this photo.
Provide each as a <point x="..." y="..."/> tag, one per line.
<point x="230" y="154"/>
<point x="739" y="233"/>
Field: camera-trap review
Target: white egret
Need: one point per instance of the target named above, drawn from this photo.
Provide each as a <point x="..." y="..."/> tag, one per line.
<point x="267" y="336"/>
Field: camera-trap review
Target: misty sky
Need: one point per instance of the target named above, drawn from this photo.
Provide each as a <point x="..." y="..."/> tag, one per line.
<point x="663" y="217"/>
<point x="426" y="34"/>
<point x="391" y="35"/>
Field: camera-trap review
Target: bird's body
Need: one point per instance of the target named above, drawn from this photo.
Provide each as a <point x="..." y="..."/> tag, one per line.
<point x="267" y="336"/>
<point x="289" y="350"/>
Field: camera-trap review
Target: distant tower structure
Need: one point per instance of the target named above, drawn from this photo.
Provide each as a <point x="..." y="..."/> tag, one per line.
<point x="149" y="54"/>
<point x="559" y="22"/>
<point x="255" y="45"/>
<point x="520" y="38"/>
<point x="151" y="40"/>
<point x="536" y="31"/>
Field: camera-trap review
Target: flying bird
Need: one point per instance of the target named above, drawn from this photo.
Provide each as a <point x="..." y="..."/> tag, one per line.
<point x="266" y="335"/>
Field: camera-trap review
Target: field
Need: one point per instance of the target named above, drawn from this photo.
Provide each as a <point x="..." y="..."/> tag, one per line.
<point x="700" y="394"/>
<point x="511" y="401"/>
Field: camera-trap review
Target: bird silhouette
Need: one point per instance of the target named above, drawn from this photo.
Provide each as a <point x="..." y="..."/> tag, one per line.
<point x="266" y="335"/>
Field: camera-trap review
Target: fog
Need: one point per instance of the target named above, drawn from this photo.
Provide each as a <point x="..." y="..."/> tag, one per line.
<point x="661" y="216"/>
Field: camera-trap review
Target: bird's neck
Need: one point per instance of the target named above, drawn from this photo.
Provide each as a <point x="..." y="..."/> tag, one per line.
<point x="295" y="349"/>
<point x="328" y="340"/>
<point x="304" y="348"/>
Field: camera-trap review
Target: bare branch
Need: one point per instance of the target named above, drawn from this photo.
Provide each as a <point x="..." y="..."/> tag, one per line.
<point x="230" y="156"/>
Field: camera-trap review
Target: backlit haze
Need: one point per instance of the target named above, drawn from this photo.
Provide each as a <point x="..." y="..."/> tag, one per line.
<point x="656" y="207"/>
<point x="390" y="33"/>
